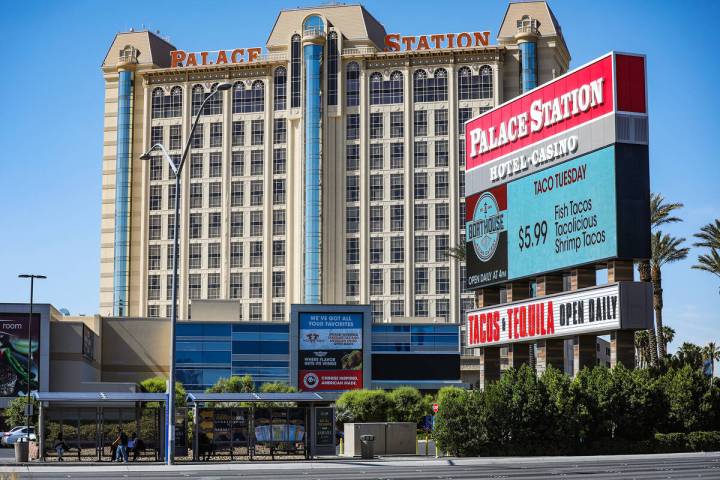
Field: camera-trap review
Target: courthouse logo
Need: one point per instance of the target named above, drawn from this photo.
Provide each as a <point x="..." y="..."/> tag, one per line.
<point x="484" y="229"/>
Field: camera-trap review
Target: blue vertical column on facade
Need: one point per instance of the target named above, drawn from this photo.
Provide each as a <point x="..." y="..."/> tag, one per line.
<point x="122" y="193"/>
<point x="528" y="67"/>
<point x="313" y="37"/>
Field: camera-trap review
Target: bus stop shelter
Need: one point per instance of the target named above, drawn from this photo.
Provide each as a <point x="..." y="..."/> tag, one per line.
<point x="237" y="425"/>
<point x="90" y="421"/>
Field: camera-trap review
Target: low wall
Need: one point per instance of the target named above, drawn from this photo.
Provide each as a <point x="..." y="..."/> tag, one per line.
<point x="391" y="438"/>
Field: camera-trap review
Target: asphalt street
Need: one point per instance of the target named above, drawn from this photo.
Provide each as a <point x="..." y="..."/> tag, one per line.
<point x="671" y="466"/>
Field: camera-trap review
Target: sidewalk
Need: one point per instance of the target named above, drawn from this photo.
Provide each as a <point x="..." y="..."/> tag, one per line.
<point x="324" y="463"/>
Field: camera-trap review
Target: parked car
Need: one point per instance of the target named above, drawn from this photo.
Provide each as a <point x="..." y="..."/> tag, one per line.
<point x="9" y="438"/>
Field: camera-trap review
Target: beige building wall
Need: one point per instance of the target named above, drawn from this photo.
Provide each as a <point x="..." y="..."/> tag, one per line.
<point x="134" y="349"/>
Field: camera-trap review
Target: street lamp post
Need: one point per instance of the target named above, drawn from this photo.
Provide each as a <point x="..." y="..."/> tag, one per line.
<point x="32" y="278"/>
<point x="177" y="169"/>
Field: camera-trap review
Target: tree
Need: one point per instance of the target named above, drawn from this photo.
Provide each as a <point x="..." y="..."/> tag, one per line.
<point x="233" y="384"/>
<point x="709" y="237"/>
<point x="688" y="354"/>
<point x="709" y="263"/>
<point x="665" y="249"/>
<point x="406" y="405"/>
<point x="667" y="335"/>
<point x="642" y="348"/>
<point x="661" y="213"/>
<point x="15" y="411"/>
<point x="711" y="352"/>
<point x="159" y="385"/>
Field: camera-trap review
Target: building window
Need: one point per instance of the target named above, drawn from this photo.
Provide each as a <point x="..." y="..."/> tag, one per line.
<point x="216" y="134"/>
<point x="155" y="197"/>
<point x="194" y="286"/>
<point x="235" y="285"/>
<point x="257" y="132"/>
<point x="332" y="69"/>
<point x="427" y="89"/>
<point x="421" y="281"/>
<point x="376" y="219"/>
<point x="295" y="69"/>
<point x="352" y="85"/>
<point x="420" y="155"/>
<point x="473" y="87"/>
<point x="278" y="253"/>
<point x="196" y="194"/>
<point x="153" y="287"/>
<point x="195" y="256"/>
<point x="215" y="194"/>
<point x="441" y="185"/>
<point x="397" y="281"/>
<point x="213" y="289"/>
<point x="442" y="308"/>
<point x="376" y="306"/>
<point x="215" y="164"/>
<point x="420" y="123"/>
<point x="397" y="308"/>
<point x="255" y="284"/>
<point x="238" y="164"/>
<point x="236" y="194"/>
<point x="376" y="156"/>
<point x="420" y="186"/>
<point x="256" y="192"/>
<point x="197" y="138"/>
<point x="156" y="135"/>
<point x="279" y="192"/>
<point x="376" y="187"/>
<point x="171" y="227"/>
<point x="249" y="100"/>
<point x="255" y="312"/>
<point x="278" y="284"/>
<point x="279" y="161"/>
<point x="196" y="165"/>
<point x="352" y="251"/>
<point x="236" y="255"/>
<point x="376" y="250"/>
<point x="384" y="92"/>
<point x="236" y="224"/>
<point x="397" y="249"/>
<point x="158" y="99"/>
<point x="168" y="289"/>
<point x="397" y="123"/>
<point x="421" y="249"/>
<point x="442" y="216"/>
<point x="352" y="219"/>
<point x="441" y="153"/>
<point x="278" y="312"/>
<point x="397" y="155"/>
<point x="279" y="131"/>
<point x="256" y="162"/>
<point x="421" y="308"/>
<point x="175" y="137"/>
<point x="156" y="168"/>
<point x="397" y="218"/>
<point x="352" y="283"/>
<point x="278" y="222"/>
<point x="154" y="227"/>
<point x="154" y="257"/>
<point x="352" y="157"/>
<point x="214" y="225"/>
<point x="464" y="114"/>
<point x="376" y="281"/>
<point x="256" y="254"/>
<point x="352" y="188"/>
<point x="238" y="134"/>
<point x="442" y="280"/>
<point x="461" y="152"/>
<point x="256" y="224"/>
<point x="352" y="131"/>
<point x="175" y="109"/>
<point x="421" y="217"/>
<point x="280" y="84"/>
<point x="396" y="186"/>
<point x="195" y="225"/>
<point x="441" y="248"/>
<point x="441" y="122"/>
<point x="376" y="125"/>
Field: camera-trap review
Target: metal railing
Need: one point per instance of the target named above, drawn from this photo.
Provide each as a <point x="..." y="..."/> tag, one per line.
<point x="314" y="32"/>
<point x="359" y="51"/>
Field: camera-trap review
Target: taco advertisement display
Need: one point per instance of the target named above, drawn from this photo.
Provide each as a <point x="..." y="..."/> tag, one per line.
<point x="330" y="351"/>
<point x="14" y="351"/>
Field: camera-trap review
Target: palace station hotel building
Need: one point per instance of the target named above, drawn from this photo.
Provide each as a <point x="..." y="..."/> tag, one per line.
<point x="331" y="172"/>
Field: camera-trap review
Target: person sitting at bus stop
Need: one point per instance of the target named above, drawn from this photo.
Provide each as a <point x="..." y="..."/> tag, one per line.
<point x="136" y="446"/>
<point x="122" y="448"/>
<point x="60" y="447"/>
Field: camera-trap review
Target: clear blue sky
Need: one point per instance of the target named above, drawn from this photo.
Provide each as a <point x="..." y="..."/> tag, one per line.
<point x="51" y="126"/>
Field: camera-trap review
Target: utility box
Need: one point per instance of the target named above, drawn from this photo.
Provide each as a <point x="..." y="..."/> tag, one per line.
<point x="401" y="438"/>
<point x="391" y="438"/>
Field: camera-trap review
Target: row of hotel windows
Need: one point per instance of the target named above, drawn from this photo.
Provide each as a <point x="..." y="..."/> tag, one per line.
<point x="254" y="310"/>
<point x="212" y="257"/>
<point x="214" y="224"/>
<point x="257" y="134"/>
<point x="237" y="165"/>
<point x="255" y="286"/>
<point x="237" y="194"/>
<point x="397" y="249"/>
<point x="250" y="97"/>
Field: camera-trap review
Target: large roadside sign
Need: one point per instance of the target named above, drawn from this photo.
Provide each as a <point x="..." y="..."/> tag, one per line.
<point x="559" y="176"/>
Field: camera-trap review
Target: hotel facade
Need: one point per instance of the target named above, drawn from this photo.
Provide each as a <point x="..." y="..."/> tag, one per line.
<point x="331" y="172"/>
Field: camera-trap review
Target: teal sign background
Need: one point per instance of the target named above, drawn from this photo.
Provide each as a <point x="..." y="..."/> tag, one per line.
<point x="569" y="224"/>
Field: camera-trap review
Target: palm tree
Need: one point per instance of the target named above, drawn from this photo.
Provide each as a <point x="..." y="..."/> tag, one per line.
<point x="711" y="352"/>
<point x="709" y="236"/>
<point x="667" y="335"/>
<point x="661" y="213"/>
<point x="665" y="249"/>
<point x="642" y="348"/>
<point x="689" y="354"/>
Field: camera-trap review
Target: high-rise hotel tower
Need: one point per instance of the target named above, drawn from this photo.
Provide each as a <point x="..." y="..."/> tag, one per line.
<point x="331" y="172"/>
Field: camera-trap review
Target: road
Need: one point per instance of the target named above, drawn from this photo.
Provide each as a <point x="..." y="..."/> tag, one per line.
<point x="670" y="466"/>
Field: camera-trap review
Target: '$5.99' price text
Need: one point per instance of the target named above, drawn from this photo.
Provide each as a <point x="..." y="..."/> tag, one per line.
<point x="530" y="238"/>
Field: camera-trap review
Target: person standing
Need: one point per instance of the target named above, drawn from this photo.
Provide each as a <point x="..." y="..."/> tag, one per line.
<point x="122" y="449"/>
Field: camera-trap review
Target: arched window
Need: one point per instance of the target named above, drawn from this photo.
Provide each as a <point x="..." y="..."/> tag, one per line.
<point x="158" y="98"/>
<point x="249" y="100"/>
<point x="486" y="82"/>
<point x="295" y="67"/>
<point x="332" y="69"/>
<point x="441" y="87"/>
<point x="280" y="83"/>
<point x="214" y="105"/>
<point x="175" y="109"/>
<point x="376" y="87"/>
<point x="420" y="81"/>
<point x="198" y="96"/>
<point x="428" y="89"/>
<point x="314" y="24"/>
<point x="384" y="92"/>
<point x="396" y="87"/>
<point x="352" y="85"/>
<point x="257" y="103"/>
<point x="467" y="89"/>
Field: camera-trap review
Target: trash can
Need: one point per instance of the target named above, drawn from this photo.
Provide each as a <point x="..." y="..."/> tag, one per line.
<point x="367" y="446"/>
<point x="22" y="449"/>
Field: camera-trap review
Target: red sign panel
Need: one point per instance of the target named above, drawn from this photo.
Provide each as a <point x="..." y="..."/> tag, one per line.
<point x="311" y="380"/>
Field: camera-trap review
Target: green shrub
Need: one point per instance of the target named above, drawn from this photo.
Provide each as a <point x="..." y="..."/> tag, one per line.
<point x="671" y="442"/>
<point x="406" y="404"/>
<point x="362" y="406"/>
<point x="704" y="441"/>
<point x="451" y="433"/>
